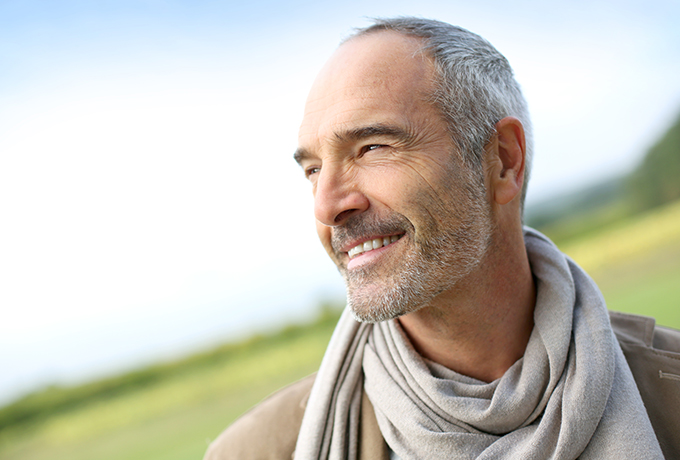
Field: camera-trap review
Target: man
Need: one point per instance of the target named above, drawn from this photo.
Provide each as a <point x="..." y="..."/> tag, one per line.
<point x="466" y="335"/>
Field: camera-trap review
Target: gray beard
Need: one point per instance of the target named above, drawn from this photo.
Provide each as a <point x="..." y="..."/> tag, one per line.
<point x="436" y="260"/>
<point x="423" y="274"/>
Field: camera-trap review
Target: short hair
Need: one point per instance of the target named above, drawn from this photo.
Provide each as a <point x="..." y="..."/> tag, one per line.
<point x="474" y="85"/>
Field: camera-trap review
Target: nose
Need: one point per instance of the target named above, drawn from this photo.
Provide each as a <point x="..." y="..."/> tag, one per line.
<point x="337" y="197"/>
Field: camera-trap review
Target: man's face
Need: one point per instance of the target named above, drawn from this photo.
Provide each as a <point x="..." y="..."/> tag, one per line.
<point x="396" y="210"/>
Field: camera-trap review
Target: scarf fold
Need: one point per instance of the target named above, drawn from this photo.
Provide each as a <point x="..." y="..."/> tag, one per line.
<point x="570" y="396"/>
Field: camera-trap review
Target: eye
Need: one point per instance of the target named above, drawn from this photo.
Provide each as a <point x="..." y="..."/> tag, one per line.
<point x="311" y="171"/>
<point x="368" y="148"/>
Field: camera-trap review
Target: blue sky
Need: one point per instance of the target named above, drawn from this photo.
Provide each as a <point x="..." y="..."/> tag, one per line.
<point x="149" y="201"/>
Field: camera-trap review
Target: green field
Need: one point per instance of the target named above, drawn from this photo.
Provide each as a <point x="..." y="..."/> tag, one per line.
<point x="175" y="414"/>
<point x="636" y="263"/>
<point x="176" y="417"/>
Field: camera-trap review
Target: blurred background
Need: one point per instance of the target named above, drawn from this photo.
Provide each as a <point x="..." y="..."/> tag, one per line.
<point x="159" y="268"/>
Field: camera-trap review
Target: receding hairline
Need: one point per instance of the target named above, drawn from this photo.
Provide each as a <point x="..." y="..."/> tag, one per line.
<point x="423" y="47"/>
<point x="383" y="129"/>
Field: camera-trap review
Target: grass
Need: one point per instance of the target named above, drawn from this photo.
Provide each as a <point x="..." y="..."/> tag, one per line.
<point x="176" y="417"/>
<point x="636" y="263"/>
<point x="651" y="295"/>
<point x="180" y="433"/>
<point x="172" y="411"/>
<point x="626" y="240"/>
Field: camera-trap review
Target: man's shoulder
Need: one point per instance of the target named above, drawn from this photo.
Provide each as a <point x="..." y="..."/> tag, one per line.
<point x="643" y="331"/>
<point x="269" y="430"/>
<point x="653" y="354"/>
<point x="652" y="351"/>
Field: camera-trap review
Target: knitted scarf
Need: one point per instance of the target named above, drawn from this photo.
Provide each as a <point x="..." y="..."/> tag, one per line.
<point x="570" y="396"/>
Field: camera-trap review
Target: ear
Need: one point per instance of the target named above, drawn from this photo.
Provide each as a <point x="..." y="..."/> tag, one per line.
<point x="506" y="161"/>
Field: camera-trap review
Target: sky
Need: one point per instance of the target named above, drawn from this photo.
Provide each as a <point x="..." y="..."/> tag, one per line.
<point x="149" y="203"/>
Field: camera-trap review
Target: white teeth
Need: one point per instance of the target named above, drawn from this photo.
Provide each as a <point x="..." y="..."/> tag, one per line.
<point x="371" y="245"/>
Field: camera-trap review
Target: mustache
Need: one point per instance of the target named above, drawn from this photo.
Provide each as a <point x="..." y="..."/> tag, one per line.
<point x="361" y="226"/>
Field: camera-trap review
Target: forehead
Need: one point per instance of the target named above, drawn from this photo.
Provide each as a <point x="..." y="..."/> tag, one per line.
<point x="382" y="77"/>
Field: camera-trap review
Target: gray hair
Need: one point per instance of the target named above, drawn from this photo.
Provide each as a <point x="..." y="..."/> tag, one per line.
<point x="475" y="86"/>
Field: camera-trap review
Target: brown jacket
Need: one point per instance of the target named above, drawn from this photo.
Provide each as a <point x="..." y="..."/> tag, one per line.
<point x="269" y="430"/>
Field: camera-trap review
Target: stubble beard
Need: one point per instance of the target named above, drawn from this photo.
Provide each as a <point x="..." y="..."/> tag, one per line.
<point x="433" y="263"/>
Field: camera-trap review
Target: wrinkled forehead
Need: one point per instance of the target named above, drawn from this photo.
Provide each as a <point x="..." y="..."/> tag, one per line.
<point x="368" y="72"/>
<point x="375" y="58"/>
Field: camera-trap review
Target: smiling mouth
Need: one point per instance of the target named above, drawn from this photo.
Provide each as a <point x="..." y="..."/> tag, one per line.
<point x="370" y="245"/>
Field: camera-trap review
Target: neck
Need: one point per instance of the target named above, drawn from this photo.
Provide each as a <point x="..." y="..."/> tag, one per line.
<point x="480" y="327"/>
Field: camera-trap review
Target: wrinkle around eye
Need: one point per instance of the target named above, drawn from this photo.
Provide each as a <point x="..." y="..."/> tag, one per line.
<point x="370" y="147"/>
<point x="312" y="171"/>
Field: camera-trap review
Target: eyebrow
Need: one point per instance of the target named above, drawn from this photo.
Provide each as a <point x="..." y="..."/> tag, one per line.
<point x="364" y="132"/>
<point x="378" y="129"/>
<point x="300" y="155"/>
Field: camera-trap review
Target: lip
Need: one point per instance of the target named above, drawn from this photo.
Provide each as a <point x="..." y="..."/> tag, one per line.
<point x="353" y="243"/>
<point x="368" y="256"/>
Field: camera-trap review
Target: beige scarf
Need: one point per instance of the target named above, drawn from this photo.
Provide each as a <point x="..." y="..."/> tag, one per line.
<point x="571" y="396"/>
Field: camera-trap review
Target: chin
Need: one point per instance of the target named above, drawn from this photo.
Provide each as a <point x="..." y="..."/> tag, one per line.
<point x="373" y="304"/>
<point x="411" y="286"/>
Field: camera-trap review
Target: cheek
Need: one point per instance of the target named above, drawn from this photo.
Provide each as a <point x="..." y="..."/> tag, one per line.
<point x="408" y="191"/>
<point x="388" y="186"/>
<point x="433" y="202"/>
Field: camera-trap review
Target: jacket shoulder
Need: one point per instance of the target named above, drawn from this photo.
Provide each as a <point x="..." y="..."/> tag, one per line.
<point x="653" y="355"/>
<point x="268" y="431"/>
<point x="643" y="331"/>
